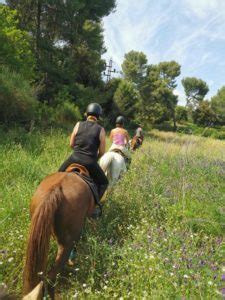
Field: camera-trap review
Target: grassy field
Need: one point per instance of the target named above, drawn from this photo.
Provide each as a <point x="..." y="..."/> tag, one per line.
<point x="162" y="235"/>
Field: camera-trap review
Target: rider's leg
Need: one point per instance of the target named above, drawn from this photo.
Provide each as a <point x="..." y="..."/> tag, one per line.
<point x="66" y="163"/>
<point x="99" y="178"/>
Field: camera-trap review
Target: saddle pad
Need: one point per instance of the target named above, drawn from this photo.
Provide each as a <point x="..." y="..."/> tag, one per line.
<point x="83" y="173"/>
<point x="91" y="185"/>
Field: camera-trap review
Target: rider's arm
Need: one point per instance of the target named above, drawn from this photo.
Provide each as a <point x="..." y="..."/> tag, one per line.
<point x="73" y="135"/>
<point x="101" y="149"/>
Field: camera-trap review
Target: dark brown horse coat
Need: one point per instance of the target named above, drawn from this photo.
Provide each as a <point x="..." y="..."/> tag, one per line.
<point x="59" y="207"/>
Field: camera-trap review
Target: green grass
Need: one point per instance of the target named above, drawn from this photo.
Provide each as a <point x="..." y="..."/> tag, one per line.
<point x="162" y="232"/>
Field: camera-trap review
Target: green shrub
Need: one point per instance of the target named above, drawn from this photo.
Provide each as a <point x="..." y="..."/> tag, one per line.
<point x="204" y="115"/>
<point x="17" y="98"/>
<point x="181" y="113"/>
<point x="67" y="112"/>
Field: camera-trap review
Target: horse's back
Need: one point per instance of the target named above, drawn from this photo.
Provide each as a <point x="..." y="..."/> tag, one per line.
<point x="75" y="196"/>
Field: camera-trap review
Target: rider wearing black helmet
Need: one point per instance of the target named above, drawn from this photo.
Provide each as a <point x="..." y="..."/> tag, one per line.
<point x="120" y="137"/>
<point x="88" y="143"/>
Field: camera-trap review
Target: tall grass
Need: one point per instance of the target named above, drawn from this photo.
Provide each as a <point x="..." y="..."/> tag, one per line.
<point x="162" y="232"/>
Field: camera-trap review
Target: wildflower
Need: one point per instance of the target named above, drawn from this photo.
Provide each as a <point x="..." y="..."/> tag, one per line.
<point x="1" y="262"/>
<point x="210" y="283"/>
<point x="75" y="295"/>
<point x="84" y="285"/>
<point x="10" y="259"/>
<point x="223" y="277"/>
<point x="166" y="259"/>
<point x="171" y="273"/>
<point x="186" y="276"/>
<point x="111" y="241"/>
<point x="223" y="269"/>
<point x="77" y="269"/>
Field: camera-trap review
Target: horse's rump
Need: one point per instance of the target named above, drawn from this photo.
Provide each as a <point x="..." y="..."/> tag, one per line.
<point x="113" y="164"/>
<point x="59" y="206"/>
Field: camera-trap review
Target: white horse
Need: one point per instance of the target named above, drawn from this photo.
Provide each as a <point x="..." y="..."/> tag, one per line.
<point x="113" y="164"/>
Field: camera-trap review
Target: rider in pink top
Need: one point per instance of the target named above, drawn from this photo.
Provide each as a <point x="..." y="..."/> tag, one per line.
<point x="119" y="137"/>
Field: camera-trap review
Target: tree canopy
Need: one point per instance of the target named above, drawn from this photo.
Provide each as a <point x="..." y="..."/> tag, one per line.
<point x="218" y="104"/>
<point x="15" y="48"/>
<point x="195" y="90"/>
<point x="67" y="41"/>
<point x="134" y="66"/>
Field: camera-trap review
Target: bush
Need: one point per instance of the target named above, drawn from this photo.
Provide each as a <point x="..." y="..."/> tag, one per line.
<point x="204" y="115"/>
<point x="181" y="113"/>
<point x="66" y="113"/>
<point x="17" y="98"/>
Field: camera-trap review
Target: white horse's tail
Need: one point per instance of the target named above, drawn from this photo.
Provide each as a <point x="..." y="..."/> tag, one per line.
<point x="105" y="161"/>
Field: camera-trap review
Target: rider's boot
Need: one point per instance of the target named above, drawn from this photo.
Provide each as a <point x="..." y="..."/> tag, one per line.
<point x="98" y="210"/>
<point x="127" y="162"/>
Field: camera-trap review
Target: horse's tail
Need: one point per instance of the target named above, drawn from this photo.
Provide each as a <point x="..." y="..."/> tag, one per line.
<point x="41" y="227"/>
<point x="106" y="160"/>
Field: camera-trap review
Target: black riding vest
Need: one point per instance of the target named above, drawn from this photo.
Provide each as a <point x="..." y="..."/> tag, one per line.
<point x="87" y="139"/>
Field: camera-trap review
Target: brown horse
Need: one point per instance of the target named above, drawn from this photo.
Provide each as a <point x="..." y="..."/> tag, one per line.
<point x="135" y="143"/>
<point x="59" y="207"/>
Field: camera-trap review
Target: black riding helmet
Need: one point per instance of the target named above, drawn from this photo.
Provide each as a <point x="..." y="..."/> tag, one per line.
<point x="94" y="109"/>
<point x="120" y="120"/>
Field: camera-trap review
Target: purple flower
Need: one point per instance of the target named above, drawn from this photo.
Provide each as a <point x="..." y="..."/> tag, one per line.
<point x="202" y="263"/>
<point x="223" y="277"/>
<point x="223" y="291"/>
<point x="111" y="241"/>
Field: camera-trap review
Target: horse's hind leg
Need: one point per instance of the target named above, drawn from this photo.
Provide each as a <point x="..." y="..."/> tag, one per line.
<point x="61" y="258"/>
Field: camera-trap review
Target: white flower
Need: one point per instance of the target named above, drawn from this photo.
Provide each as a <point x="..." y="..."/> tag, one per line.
<point x="186" y="276"/>
<point x="84" y="285"/>
<point x="77" y="269"/>
<point x="75" y="295"/>
<point x="210" y="283"/>
<point x="10" y="259"/>
<point x="1" y="262"/>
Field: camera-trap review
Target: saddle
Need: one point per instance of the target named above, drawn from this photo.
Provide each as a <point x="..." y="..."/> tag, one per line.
<point x="76" y="168"/>
<point x="85" y="175"/>
<point x="119" y="152"/>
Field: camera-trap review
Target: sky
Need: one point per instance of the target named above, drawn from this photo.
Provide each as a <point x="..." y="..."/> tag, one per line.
<point x="191" y="32"/>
